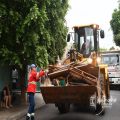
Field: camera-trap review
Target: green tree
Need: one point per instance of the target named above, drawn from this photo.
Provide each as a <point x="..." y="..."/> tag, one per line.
<point x="115" y="25"/>
<point x="56" y="12"/>
<point x="102" y="49"/>
<point x="112" y="48"/>
<point x="31" y="31"/>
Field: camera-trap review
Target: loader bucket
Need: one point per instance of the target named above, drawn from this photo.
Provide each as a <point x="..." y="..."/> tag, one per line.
<point x="67" y="94"/>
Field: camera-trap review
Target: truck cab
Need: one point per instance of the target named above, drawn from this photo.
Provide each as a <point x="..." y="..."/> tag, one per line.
<point x="86" y="38"/>
<point x="112" y="59"/>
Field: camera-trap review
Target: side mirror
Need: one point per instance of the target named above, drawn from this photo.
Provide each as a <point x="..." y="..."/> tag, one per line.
<point x="117" y="59"/>
<point x="68" y="37"/>
<point x="102" y="34"/>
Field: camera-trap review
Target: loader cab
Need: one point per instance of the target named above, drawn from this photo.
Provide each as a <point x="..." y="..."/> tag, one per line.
<point x="86" y="38"/>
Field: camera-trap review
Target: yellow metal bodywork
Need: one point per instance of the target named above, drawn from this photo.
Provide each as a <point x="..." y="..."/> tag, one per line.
<point x="87" y="25"/>
<point x="105" y="81"/>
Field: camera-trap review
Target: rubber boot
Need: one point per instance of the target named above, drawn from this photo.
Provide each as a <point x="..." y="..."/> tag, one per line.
<point x="32" y="117"/>
<point x="27" y="118"/>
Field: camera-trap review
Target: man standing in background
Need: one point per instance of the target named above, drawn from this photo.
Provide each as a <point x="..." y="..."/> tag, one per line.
<point x="14" y="78"/>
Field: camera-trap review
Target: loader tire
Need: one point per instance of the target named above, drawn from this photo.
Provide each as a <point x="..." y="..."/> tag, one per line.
<point x="63" y="107"/>
<point x="100" y="110"/>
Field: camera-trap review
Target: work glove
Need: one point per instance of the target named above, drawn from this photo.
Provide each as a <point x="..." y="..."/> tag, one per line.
<point x="41" y="73"/>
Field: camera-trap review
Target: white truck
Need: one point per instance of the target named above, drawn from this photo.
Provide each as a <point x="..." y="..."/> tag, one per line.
<point x="112" y="59"/>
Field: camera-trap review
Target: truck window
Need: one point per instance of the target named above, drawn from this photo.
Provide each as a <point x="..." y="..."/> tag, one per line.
<point x="110" y="59"/>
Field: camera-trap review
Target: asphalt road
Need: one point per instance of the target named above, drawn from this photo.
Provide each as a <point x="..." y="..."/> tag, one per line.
<point x="112" y="111"/>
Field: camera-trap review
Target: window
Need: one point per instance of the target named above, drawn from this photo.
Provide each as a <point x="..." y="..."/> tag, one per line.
<point x="110" y="59"/>
<point x="89" y="40"/>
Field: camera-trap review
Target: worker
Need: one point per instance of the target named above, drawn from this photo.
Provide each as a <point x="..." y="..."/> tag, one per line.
<point x="85" y="49"/>
<point x="72" y="54"/>
<point x="33" y="77"/>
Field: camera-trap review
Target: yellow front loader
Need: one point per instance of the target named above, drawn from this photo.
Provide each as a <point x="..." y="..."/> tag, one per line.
<point x="81" y="78"/>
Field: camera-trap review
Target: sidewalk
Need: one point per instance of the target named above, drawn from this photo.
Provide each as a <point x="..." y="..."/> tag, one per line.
<point x="17" y="111"/>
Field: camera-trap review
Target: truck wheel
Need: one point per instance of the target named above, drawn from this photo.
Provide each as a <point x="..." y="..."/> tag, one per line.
<point x="63" y="107"/>
<point x="93" y="106"/>
<point x="99" y="109"/>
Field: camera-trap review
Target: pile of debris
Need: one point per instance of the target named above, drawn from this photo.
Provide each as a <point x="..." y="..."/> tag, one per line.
<point x="74" y="73"/>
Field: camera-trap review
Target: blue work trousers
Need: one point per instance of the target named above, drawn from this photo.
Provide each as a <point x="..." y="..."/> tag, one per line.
<point x="31" y="102"/>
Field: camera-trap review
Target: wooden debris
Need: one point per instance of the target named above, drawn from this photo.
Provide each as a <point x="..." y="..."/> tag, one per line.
<point x="76" y="73"/>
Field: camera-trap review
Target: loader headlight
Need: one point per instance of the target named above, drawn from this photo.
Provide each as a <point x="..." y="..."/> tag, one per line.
<point x="98" y="59"/>
<point x="90" y="60"/>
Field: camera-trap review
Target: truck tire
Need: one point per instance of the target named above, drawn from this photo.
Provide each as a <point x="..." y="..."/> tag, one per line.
<point x="97" y="108"/>
<point x="100" y="110"/>
<point x="63" y="107"/>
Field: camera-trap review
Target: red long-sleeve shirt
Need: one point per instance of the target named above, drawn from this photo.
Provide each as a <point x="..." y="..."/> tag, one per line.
<point x="33" y="79"/>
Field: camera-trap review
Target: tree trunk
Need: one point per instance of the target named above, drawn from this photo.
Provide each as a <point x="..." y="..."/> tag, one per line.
<point x="23" y="73"/>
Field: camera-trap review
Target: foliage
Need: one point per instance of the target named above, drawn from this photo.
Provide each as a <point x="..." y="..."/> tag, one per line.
<point x="56" y="12"/>
<point x="102" y="49"/>
<point x="32" y="31"/>
<point x="112" y="48"/>
<point x="115" y="25"/>
<point x="117" y="39"/>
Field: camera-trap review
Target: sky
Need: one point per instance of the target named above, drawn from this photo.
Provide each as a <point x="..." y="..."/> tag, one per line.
<point x="93" y="11"/>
